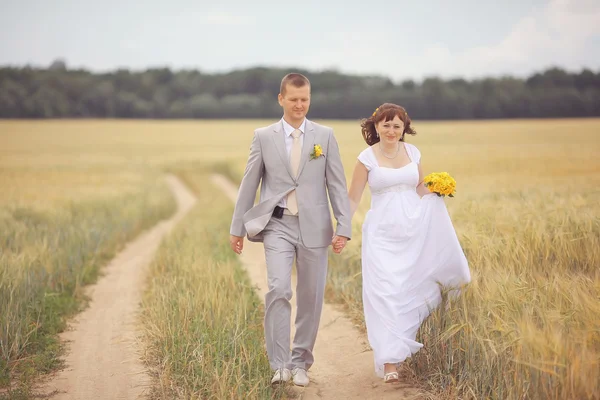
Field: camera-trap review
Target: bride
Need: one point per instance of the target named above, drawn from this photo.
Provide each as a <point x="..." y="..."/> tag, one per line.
<point x="408" y="242"/>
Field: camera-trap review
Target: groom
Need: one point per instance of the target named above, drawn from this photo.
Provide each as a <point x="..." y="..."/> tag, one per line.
<point x="298" y="162"/>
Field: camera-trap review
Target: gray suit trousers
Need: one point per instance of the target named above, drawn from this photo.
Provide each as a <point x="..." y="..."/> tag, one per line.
<point x="283" y="243"/>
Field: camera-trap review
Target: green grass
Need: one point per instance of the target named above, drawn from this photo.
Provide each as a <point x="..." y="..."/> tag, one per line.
<point x="204" y="321"/>
<point x="47" y="255"/>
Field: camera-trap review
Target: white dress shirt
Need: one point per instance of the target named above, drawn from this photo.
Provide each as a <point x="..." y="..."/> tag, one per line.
<point x="289" y="141"/>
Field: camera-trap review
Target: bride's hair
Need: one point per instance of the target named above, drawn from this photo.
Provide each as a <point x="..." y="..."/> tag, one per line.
<point x="385" y="111"/>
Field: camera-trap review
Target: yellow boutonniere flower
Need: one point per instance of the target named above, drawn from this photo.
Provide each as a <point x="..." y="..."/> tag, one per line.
<point x="317" y="152"/>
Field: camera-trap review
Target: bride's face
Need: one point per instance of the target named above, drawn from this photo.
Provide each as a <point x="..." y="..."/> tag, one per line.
<point x="390" y="131"/>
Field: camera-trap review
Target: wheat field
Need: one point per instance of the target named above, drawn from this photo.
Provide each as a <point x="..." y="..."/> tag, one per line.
<point x="526" y="212"/>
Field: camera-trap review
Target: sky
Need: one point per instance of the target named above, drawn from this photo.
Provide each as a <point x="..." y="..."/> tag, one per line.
<point x="399" y="39"/>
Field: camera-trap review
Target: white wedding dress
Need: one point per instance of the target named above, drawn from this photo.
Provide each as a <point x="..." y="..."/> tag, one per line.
<point x="408" y="246"/>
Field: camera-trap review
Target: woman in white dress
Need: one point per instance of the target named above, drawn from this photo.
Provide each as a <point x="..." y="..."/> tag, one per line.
<point x="408" y="242"/>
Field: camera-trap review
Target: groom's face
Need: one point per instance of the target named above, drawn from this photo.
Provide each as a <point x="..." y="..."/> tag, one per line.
<point x="295" y="101"/>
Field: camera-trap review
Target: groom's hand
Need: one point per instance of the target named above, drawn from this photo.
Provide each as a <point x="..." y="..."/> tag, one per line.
<point x="236" y="243"/>
<point x="338" y="243"/>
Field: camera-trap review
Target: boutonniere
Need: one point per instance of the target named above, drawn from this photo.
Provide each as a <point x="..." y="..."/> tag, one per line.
<point x="317" y="152"/>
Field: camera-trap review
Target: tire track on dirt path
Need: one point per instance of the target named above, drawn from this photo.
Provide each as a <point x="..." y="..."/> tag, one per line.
<point x="343" y="366"/>
<point x="102" y="360"/>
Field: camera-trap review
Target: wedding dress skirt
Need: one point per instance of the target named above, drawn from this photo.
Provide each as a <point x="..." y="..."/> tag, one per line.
<point x="409" y="247"/>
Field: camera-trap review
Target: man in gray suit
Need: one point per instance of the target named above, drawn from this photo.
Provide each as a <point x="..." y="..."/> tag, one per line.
<point x="299" y="163"/>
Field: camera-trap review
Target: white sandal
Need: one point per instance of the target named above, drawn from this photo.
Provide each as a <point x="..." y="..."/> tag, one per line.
<point x="391" y="377"/>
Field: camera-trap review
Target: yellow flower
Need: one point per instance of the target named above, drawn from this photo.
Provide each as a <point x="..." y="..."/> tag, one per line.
<point x="440" y="183"/>
<point x="317" y="152"/>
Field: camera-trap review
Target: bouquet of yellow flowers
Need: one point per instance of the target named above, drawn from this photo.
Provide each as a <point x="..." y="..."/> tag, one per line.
<point x="440" y="183"/>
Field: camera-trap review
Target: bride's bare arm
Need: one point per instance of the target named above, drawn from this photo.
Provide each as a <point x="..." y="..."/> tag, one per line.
<point x="357" y="186"/>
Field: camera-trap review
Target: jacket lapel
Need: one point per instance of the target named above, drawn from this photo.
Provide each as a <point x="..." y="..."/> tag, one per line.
<point x="279" y="139"/>
<point x="307" y="145"/>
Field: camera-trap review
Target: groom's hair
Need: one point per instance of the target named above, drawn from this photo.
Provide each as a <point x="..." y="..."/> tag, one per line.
<point x="295" y="79"/>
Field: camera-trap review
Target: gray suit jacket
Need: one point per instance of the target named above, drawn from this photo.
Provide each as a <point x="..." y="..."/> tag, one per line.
<point x="269" y="162"/>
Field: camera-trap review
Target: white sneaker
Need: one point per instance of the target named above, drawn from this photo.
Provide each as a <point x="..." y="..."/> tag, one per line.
<point x="281" y="375"/>
<point x="300" y="377"/>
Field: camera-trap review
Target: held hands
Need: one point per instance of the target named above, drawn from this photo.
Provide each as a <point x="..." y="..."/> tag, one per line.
<point x="236" y="243"/>
<point x="338" y="243"/>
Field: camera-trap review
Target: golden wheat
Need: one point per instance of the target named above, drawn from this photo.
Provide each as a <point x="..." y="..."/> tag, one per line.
<point x="526" y="212"/>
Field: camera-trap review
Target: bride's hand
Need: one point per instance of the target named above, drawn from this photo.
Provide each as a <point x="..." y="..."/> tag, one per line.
<point x="422" y="191"/>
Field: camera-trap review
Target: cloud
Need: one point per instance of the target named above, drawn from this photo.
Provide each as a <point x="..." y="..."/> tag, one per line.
<point x="224" y="19"/>
<point x="559" y="34"/>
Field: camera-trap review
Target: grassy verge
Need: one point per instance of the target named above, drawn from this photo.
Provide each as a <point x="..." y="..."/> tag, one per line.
<point x="529" y="325"/>
<point x="46" y="257"/>
<point x="203" y="319"/>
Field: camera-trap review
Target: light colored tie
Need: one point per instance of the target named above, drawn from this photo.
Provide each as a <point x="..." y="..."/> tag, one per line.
<point x="292" y="203"/>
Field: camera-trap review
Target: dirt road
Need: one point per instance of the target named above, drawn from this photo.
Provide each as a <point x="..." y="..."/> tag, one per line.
<point x="102" y="359"/>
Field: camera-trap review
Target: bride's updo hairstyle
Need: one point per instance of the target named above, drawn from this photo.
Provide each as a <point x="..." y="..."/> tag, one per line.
<point x="387" y="112"/>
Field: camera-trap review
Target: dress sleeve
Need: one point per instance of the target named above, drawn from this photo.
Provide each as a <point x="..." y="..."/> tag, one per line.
<point x="414" y="153"/>
<point x="365" y="159"/>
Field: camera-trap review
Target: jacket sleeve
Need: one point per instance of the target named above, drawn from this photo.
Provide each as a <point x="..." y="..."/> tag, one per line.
<point x="337" y="188"/>
<point x="247" y="192"/>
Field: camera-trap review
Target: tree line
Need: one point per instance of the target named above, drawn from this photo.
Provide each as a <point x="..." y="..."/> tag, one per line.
<point x="60" y="92"/>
